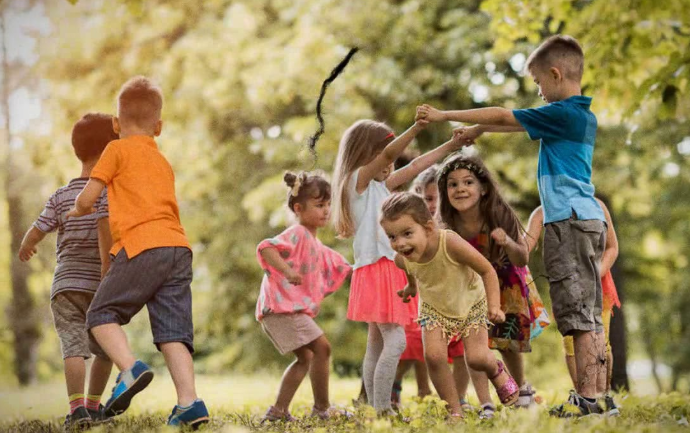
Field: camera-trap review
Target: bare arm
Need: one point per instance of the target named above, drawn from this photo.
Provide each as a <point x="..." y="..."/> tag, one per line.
<point x="462" y="252"/>
<point x="388" y="156"/>
<point x="517" y="251"/>
<point x="28" y="247"/>
<point x="611" y="251"/>
<point x="86" y="199"/>
<point x="421" y="163"/>
<point x="105" y="242"/>
<point x="272" y="257"/>
<point x="496" y="116"/>
<point x="411" y="289"/>
<point x="534" y="227"/>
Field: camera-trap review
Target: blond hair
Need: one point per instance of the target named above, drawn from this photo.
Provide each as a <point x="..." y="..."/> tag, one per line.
<point x="140" y="102"/>
<point x="359" y="145"/>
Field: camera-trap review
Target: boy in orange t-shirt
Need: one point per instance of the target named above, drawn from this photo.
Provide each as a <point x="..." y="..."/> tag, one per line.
<point x="151" y="257"/>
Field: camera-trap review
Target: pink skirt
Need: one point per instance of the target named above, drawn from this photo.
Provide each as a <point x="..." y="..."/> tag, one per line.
<point x="374" y="294"/>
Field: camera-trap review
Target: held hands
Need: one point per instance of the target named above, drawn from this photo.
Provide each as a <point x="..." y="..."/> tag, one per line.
<point x="429" y="113"/>
<point x="76" y="212"/>
<point x="501" y="237"/>
<point x="407" y="293"/>
<point x="496" y="315"/>
<point x="467" y="134"/>
<point x="26" y="253"/>
<point x="293" y="277"/>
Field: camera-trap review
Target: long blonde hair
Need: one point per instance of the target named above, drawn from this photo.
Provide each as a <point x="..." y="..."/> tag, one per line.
<point x="359" y="145"/>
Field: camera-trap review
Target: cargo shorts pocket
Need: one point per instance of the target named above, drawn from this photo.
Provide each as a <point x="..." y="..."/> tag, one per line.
<point x="559" y="255"/>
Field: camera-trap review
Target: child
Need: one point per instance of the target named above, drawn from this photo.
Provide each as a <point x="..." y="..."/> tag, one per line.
<point x="574" y="221"/>
<point x="82" y="260"/>
<point x="458" y="294"/>
<point x="152" y="262"/>
<point x="471" y="205"/>
<point x="610" y="298"/>
<point x="363" y="179"/>
<point x="300" y="272"/>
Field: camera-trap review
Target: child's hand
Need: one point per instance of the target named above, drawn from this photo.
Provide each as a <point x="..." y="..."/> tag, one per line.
<point x="26" y="253"/>
<point x="75" y="212"/>
<point x="467" y="134"/>
<point x="496" y="315"/>
<point x="429" y="113"/>
<point x="293" y="277"/>
<point x="407" y="292"/>
<point x="500" y="236"/>
<point x="420" y="123"/>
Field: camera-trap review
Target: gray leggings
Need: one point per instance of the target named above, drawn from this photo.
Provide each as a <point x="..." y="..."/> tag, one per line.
<point x="385" y="344"/>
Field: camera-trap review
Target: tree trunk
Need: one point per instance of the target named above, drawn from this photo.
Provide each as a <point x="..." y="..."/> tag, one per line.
<point x="22" y="311"/>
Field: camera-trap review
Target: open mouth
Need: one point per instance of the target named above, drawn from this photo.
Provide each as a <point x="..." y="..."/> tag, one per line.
<point x="407" y="252"/>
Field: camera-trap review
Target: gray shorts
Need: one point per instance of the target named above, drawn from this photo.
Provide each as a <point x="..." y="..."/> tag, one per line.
<point x="572" y="256"/>
<point x="69" y="315"/>
<point x="159" y="278"/>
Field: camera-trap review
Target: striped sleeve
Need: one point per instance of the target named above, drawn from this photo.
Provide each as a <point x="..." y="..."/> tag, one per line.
<point x="102" y="205"/>
<point x="47" y="222"/>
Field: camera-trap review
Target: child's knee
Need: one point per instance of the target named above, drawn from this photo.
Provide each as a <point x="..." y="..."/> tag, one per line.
<point x="322" y="347"/>
<point x="304" y="356"/>
<point x="477" y="360"/>
<point x="435" y="360"/>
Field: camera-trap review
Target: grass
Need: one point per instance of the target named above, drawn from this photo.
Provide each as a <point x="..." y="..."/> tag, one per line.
<point x="237" y="403"/>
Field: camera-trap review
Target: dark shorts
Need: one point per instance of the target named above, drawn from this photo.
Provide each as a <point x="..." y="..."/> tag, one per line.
<point x="572" y="256"/>
<point x="159" y="278"/>
<point x="69" y="315"/>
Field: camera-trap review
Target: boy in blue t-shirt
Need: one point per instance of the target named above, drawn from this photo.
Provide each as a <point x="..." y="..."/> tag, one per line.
<point x="575" y="230"/>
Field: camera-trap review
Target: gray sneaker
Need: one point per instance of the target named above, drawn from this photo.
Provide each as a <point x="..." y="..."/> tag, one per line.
<point x="576" y="406"/>
<point x="77" y="421"/>
<point x="611" y="408"/>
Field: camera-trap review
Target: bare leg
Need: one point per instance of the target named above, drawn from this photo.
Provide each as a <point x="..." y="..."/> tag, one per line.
<point x="609" y="370"/>
<point x="461" y="376"/>
<point x="292" y="378"/>
<point x="403" y="367"/>
<point x="113" y="341"/>
<point x="181" y="367"/>
<point x="75" y="373"/>
<point x="99" y="375"/>
<point x="516" y="365"/>
<point x="422" y="376"/>
<point x="480" y="381"/>
<point x="436" y="355"/>
<point x="479" y="357"/>
<point x="590" y="360"/>
<point x="319" y="371"/>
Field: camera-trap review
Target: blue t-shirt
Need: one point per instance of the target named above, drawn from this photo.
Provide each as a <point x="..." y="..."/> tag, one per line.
<point x="567" y="130"/>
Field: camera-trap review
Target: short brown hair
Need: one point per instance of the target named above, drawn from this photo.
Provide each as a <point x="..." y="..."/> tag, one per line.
<point x="91" y="134"/>
<point x="304" y="186"/>
<point x="140" y="102"/>
<point x="562" y="52"/>
<point x="405" y="203"/>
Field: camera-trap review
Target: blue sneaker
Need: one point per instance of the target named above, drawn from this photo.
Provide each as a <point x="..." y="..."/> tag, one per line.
<point x="193" y="415"/>
<point x="129" y="383"/>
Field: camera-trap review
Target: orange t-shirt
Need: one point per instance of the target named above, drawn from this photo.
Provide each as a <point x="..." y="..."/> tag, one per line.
<point x="141" y="196"/>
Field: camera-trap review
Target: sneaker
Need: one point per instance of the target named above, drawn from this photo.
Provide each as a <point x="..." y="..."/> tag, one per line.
<point x="487" y="411"/>
<point x="611" y="408"/>
<point x="98" y="416"/>
<point x="331" y="412"/>
<point x="526" y="396"/>
<point x="576" y="406"/>
<point x="193" y="415"/>
<point x="273" y="415"/>
<point x="77" y="420"/>
<point x="128" y="384"/>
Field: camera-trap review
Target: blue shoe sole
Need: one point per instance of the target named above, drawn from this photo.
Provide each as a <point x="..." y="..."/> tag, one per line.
<point x="121" y="403"/>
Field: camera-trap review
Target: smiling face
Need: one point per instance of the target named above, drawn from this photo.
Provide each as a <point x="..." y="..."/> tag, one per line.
<point x="409" y="238"/>
<point x="314" y="213"/>
<point x="464" y="190"/>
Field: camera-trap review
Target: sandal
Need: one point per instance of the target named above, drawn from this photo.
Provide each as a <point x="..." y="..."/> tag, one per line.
<point x="487" y="411"/>
<point x="274" y="415"/>
<point x="509" y="392"/>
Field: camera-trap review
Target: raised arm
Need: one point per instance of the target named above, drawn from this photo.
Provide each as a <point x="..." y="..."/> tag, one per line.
<point x="28" y="247"/>
<point x="462" y="252"/>
<point x="86" y="199"/>
<point x="421" y="163"/>
<point x="272" y="257"/>
<point x="611" y="251"/>
<point x="496" y="116"/>
<point x="389" y="155"/>
<point x="534" y="227"/>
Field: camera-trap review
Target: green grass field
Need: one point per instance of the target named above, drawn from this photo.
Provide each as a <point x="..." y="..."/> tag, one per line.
<point x="237" y="403"/>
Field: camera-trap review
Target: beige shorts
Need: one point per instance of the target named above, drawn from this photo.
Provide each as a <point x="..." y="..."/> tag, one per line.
<point x="69" y="315"/>
<point x="289" y="332"/>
